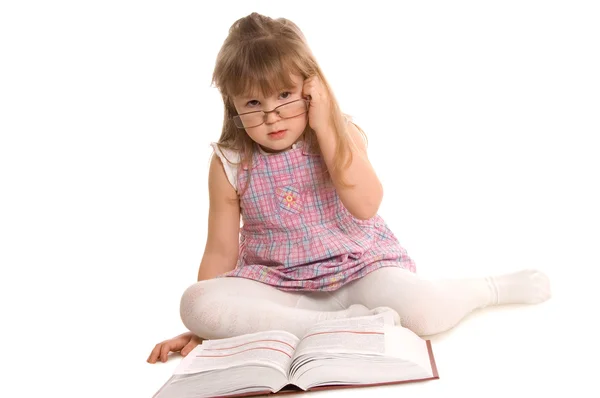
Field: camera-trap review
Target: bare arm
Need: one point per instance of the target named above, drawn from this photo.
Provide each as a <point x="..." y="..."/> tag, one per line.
<point x="364" y="199"/>
<point x="220" y="253"/>
<point x="222" y="242"/>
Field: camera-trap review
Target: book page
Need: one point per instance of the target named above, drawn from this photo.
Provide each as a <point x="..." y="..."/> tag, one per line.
<point x="273" y="348"/>
<point x="402" y="343"/>
<point x="349" y="335"/>
<point x="362" y="350"/>
<point x="383" y="318"/>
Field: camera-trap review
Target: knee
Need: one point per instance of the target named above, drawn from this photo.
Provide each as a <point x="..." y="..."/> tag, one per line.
<point x="195" y="309"/>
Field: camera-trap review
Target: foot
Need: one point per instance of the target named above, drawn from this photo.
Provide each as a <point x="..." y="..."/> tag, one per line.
<point x="523" y="287"/>
<point x="394" y="314"/>
<point x="356" y="310"/>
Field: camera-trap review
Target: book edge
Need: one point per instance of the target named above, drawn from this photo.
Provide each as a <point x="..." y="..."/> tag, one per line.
<point x="434" y="368"/>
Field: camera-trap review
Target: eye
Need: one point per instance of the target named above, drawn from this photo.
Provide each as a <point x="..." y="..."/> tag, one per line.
<point x="285" y="95"/>
<point x="252" y="103"/>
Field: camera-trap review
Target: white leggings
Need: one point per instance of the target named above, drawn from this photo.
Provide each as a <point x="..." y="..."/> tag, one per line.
<point x="227" y="307"/>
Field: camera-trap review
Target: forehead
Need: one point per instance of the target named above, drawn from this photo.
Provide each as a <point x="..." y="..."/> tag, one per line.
<point x="270" y="89"/>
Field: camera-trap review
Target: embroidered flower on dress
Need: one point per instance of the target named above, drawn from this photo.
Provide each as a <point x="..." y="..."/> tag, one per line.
<point x="289" y="199"/>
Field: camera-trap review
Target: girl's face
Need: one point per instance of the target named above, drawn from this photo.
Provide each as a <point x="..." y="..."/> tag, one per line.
<point x="276" y="134"/>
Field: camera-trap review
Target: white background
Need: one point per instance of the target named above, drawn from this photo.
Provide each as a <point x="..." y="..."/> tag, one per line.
<point x="483" y="122"/>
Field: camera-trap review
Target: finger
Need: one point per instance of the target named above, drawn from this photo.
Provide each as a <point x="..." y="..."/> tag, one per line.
<point x="164" y="352"/>
<point x="154" y="354"/>
<point x="306" y="91"/>
<point x="308" y="86"/>
<point x="189" y="347"/>
<point x="314" y="95"/>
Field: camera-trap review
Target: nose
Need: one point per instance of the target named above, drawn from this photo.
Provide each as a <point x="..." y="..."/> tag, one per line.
<point x="271" y="117"/>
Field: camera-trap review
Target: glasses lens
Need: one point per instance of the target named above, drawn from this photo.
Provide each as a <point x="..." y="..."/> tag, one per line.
<point x="292" y="109"/>
<point x="249" y="120"/>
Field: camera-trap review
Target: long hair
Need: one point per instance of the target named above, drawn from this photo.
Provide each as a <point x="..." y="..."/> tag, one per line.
<point x="259" y="54"/>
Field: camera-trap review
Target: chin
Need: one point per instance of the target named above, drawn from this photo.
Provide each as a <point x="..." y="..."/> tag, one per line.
<point x="276" y="148"/>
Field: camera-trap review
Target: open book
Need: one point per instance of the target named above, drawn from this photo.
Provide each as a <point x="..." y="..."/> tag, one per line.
<point x="352" y="352"/>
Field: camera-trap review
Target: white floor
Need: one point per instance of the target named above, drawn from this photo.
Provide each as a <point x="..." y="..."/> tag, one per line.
<point x="483" y="128"/>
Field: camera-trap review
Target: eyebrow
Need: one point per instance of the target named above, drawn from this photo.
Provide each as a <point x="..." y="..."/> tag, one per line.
<point x="246" y="97"/>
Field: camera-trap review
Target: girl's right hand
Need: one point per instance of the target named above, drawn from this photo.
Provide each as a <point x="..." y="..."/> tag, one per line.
<point x="184" y="343"/>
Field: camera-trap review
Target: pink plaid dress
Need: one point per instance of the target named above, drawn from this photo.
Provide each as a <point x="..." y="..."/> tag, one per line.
<point x="298" y="236"/>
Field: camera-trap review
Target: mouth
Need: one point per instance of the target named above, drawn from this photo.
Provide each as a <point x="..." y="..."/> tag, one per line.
<point x="276" y="135"/>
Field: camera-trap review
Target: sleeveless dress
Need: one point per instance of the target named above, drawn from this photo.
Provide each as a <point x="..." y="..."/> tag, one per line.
<point x="296" y="234"/>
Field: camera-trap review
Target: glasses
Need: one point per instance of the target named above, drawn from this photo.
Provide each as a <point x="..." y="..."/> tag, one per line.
<point x="285" y="111"/>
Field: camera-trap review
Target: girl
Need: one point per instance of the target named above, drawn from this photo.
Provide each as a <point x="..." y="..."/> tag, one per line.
<point x="312" y="246"/>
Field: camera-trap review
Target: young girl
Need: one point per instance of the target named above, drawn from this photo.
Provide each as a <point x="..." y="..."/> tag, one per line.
<point x="312" y="246"/>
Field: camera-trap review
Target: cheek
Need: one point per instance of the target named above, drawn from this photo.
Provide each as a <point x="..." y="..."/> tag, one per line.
<point x="256" y="132"/>
<point x="301" y="121"/>
<point x="252" y="134"/>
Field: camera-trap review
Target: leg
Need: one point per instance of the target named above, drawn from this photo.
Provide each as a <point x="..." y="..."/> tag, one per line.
<point x="429" y="307"/>
<point x="227" y="307"/>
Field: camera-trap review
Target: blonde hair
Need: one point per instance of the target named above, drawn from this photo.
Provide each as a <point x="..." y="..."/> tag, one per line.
<point x="260" y="53"/>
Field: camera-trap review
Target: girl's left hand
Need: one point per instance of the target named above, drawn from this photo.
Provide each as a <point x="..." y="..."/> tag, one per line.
<point x="319" y="112"/>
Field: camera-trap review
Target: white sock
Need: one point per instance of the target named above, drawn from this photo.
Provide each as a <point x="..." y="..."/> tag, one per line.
<point x="523" y="287"/>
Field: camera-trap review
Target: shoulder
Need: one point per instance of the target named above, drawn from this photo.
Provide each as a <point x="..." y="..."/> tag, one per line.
<point x="230" y="160"/>
<point x="227" y="154"/>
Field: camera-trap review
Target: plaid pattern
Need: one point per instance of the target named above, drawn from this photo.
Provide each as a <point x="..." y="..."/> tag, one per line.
<point x="298" y="236"/>
<point x="289" y="199"/>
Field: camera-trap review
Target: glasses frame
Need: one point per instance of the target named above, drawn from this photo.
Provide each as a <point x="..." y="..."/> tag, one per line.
<point x="238" y="121"/>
